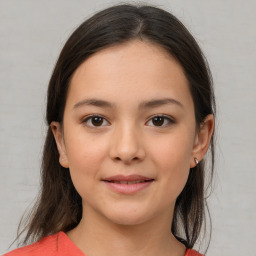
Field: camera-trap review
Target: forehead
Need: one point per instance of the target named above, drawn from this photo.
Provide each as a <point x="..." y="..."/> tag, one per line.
<point x="136" y="56"/>
<point x="136" y="69"/>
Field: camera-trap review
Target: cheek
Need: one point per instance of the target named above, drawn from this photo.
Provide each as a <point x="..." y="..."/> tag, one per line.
<point x="171" y="157"/>
<point x="174" y="150"/>
<point x="85" y="152"/>
<point x="85" y="156"/>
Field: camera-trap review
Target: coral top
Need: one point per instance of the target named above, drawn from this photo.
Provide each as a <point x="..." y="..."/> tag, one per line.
<point x="59" y="245"/>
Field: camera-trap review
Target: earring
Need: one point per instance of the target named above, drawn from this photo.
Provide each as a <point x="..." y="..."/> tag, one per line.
<point x="196" y="161"/>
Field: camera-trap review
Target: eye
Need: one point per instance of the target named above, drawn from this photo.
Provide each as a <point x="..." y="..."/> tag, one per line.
<point x="95" y="121"/>
<point x="160" y="121"/>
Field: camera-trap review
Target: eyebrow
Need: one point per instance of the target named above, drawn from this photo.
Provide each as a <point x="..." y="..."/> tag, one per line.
<point x="143" y="105"/>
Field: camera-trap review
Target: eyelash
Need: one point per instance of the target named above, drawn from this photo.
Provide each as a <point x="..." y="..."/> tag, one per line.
<point x="169" y="120"/>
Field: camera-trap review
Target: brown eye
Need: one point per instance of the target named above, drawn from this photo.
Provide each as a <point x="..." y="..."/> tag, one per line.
<point x="95" y="121"/>
<point x="160" y="121"/>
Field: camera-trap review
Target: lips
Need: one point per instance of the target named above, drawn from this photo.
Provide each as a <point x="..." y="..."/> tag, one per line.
<point x="127" y="184"/>
<point x="130" y="179"/>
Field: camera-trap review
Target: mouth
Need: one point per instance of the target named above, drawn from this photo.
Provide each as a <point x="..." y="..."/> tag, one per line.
<point x="130" y="179"/>
<point x="128" y="184"/>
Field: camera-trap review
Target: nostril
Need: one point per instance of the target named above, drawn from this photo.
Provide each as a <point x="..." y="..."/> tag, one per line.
<point x="126" y="152"/>
<point x="126" y="159"/>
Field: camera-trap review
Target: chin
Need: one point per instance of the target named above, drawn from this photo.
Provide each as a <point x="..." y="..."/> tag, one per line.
<point x="128" y="218"/>
<point x="128" y="222"/>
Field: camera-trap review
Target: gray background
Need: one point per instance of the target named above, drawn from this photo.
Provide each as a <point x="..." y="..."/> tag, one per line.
<point x="32" y="33"/>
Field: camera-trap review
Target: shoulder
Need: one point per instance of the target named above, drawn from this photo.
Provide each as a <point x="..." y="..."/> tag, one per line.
<point x="45" y="246"/>
<point x="191" y="252"/>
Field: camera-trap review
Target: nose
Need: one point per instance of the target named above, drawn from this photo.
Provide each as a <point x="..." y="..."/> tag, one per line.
<point x="127" y="145"/>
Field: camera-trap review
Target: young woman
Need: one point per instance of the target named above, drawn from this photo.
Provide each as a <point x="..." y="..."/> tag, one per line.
<point x="130" y="112"/>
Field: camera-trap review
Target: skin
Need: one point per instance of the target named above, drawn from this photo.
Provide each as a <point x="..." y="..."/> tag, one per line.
<point x="129" y="142"/>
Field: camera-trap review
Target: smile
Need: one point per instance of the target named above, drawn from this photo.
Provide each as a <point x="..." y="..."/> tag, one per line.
<point x="127" y="184"/>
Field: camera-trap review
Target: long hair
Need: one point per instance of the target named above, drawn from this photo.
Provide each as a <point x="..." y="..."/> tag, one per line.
<point x="59" y="206"/>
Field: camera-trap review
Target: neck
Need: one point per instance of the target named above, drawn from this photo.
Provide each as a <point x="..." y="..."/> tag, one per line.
<point x="95" y="235"/>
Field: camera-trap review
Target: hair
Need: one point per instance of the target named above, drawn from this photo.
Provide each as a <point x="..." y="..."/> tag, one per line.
<point x="59" y="206"/>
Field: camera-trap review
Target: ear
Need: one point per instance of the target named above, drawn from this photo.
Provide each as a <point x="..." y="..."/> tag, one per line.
<point x="202" y="140"/>
<point x="58" y="135"/>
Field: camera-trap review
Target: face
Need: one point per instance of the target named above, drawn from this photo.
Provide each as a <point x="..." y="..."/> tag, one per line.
<point x="129" y="135"/>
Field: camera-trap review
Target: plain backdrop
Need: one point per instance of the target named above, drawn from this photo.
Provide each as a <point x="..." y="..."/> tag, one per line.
<point x="32" y="34"/>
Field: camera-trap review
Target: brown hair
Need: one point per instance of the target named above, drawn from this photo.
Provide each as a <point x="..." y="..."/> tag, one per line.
<point x="59" y="206"/>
